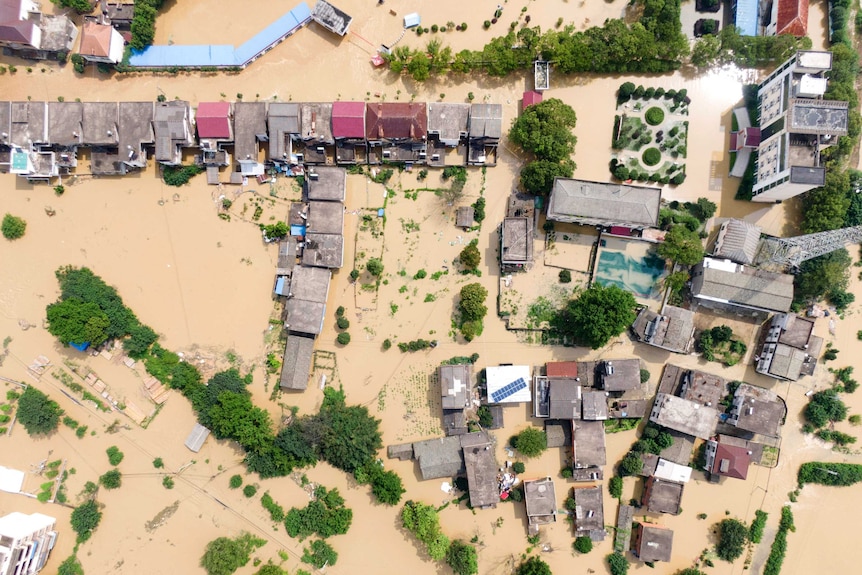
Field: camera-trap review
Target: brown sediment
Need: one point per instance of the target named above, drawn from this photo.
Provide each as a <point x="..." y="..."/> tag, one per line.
<point x="205" y="285"/>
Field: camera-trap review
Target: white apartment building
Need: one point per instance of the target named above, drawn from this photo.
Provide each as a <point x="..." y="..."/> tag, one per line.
<point x="25" y="542"/>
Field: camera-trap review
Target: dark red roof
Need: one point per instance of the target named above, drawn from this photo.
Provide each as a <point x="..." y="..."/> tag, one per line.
<point x="731" y="461"/>
<point x="348" y="119"/>
<point x="733" y="141"/>
<point x="752" y="137"/>
<point x="396" y="121"/>
<point x="530" y="98"/>
<point x="561" y="369"/>
<point x="213" y="120"/>
<point x="792" y="17"/>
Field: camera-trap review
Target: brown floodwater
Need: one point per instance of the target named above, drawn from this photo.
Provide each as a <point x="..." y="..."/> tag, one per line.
<point x="205" y="285"/>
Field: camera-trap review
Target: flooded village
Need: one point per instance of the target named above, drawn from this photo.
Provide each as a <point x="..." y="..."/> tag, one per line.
<point x="319" y="243"/>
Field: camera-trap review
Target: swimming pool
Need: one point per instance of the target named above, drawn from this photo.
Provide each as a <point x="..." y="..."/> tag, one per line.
<point x="631" y="265"/>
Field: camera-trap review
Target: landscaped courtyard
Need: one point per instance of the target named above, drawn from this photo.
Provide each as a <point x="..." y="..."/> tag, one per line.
<point x="650" y="135"/>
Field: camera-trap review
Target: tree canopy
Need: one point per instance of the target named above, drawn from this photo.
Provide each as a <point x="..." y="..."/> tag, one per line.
<point x="461" y="557"/>
<point x="533" y="566"/>
<point x="325" y="516"/>
<point x="74" y="321"/>
<point x="537" y="177"/>
<point x="319" y="554"/>
<point x="732" y="538"/>
<point x="38" y="413"/>
<point x="470" y="257"/>
<point x="545" y="130"/>
<point x="682" y="246"/>
<point x="472" y="303"/>
<point x="597" y="315"/>
<point x="530" y="442"/>
<point x="85" y="518"/>
<point x="83" y="284"/>
<point x="424" y="523"/>
<point x="822" y="275"/>
<point x="224" y="555"/>
<point x="824" y="407"/>
<point x="13" y="227"/>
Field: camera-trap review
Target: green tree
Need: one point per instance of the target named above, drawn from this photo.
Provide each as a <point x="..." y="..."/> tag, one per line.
<point x="13" y="227"/>
<point x="85" y="518"/>
<point x="325" y="516"/>
<point x="823" y="407"/>
<point x="70" y="566"/>
<point x="825" y="208"/>
<point x="533" y="566"/>
<point x="537" y="177"/>
<point x="387" y="487"/>
<point x="235" y="481"/>
<point x="583" y="544"/>
<point x="112" y="479"/>
<point x="419" y="67"/>
<point x="74" y="321"/>
<point x="461" y="557"/>
<point x="682" y="246"/>
<point x="276" y="231"/>
<point x="422" y="520"/>
<point x="472" y="304"/>
<point x="236" y="417"/>
<point x="732" y="537"/>
<point x="706" y="51"/>
<point x="822" y="275"/>
<point x="545" y="130"/>
<point x="223" y="555"/>
<point x="79" y="6"/>
<point x="631" y="465"/>
<point x="346" y="436"/>
<point x="374" y="267"/>
<point x="320" y="554"/>
<point x="37" y="412"/>
<point x="618" y="564"/>
<point x="270" y="569"/>
<point x="141" y="337"/>
<point x="115" y="456"/>
<point x="596" y="315"/>
<point x="470" y="257"/>
<point x="530" y="442"/>
<point x="83" y="284"/>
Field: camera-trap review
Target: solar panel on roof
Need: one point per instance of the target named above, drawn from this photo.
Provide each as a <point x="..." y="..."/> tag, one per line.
<point x="508" y="390"/>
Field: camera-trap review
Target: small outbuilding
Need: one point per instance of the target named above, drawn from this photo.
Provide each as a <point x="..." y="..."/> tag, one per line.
<point x="197" y="437"/>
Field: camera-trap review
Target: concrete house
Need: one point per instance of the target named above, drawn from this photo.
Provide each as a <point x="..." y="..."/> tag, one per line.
<point x="484" y="133"/>
<point x="662" y="496"/>
<point x="101" y="123"/>
<point x="672" y="329"/>
<point x="348" y="130"/>
<point x="284" y="126"/>
<point x="28" y="33"/>
<point x="65" y="132"/>
<point x="306" y="300"/>
<point x="214" y="122"/>
<point x="589" y="513"/>
<point x="604" y="204"/>
<point x="685" y="416"/>
<point x="620" y="375"/>
<point x="588" y="450"/>
<point x="447" y="133"/>
<point x="101" y="43"/>
<point x="541" y="503"/>
<point x="481" y="466"/>
<point x="456" y="395"/>
<point x="788" y="348"/>
<point x="316" y="144"/>
<point x="119" y="14"/>
<point x="30" y="156"/>
<point x="653" y="543"/>
<point x="249" y="119"/>
<point x="173" y="131"/>
<point x="725" y="460"/>
<point x="396" y="131"/>
<point x="726" y="286"/>
<point x="439" y="458"/>
<point x="136" y="133"/>
<point x="757" y="410"/>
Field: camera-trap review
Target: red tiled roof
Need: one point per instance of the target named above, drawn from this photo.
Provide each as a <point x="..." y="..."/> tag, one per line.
<point x="18" y="32"/>
<point x="530" y="98"/>
<point x="348" y="119"/>
<point x="792" y="17"/>
<point x="96" y="40"/>
<point x="398" y="121"/>
<point x="561" y="369"/>
<point x="731" y="461"/>
<point x="213" y="120"/>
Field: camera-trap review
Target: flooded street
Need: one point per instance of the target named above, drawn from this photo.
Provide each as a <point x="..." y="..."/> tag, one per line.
<point x="205" y="285"/>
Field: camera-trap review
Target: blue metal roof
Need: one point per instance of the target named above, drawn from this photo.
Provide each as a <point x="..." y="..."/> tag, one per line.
<point x="746" y="17"/>
<point x="222" y="55"/>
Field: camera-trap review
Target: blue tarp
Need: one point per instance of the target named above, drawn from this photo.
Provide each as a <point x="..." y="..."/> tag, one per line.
<point x="222" y="55"/>
<point x="297" y="230"/>
<point x="279" y="285"/>
<point x="80" y="346"/>
<point x="746" y="17"/>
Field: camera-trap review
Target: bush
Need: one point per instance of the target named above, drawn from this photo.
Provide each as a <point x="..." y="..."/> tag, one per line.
<point x="113" y="479"/>
<point x="115" y="456"/>
<point x="518" y="467"/>
<point x="651" y="156"/>
<point x="249" y="491"/>
<point x="223" y="555"/>
<point x="325" y="516"/>
<point x="755" y="532"/>
<point x="424" y="523"/>
<point x="618" y="564"/>
<point x="167" y="482"/>
<point x="615" y="487"/>
<point x="13" y="227"/>
<point x="470" y="257"/>
<point x="461" y="557"/>
<point x="654" y="116"/>
<point x="583" y="544"/>
<point x="179" y="176"/>
<point x="732" y="537"/>
<point x="339" y="311"/>
<point x="235" y="481"/>
<point x="645" y="375"/>
<point x="565" y="276"/>
<point x="343" y="338"/>
<point x="374" y="267"/>
<point x="822" y="473"/>
<point x="342" y="322"/>
<point x="533" y="566"/>
<point x="566" y="472"/>
<point x="823" y="407"/>
<point x="320" y="554"/>
<point x="530" y="442"/>
<point x="85" y="518"/>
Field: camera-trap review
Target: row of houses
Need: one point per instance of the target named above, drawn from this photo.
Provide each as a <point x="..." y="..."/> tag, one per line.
<point x="313" y="248"/>
<point x="40" y="140"/>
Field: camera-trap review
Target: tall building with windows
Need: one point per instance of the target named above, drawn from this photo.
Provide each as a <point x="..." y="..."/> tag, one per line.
<point x="25" y="542"/>
<point x="795" y="125"/>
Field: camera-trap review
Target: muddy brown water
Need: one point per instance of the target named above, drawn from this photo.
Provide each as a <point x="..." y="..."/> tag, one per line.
<point x="205" y="285"/>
